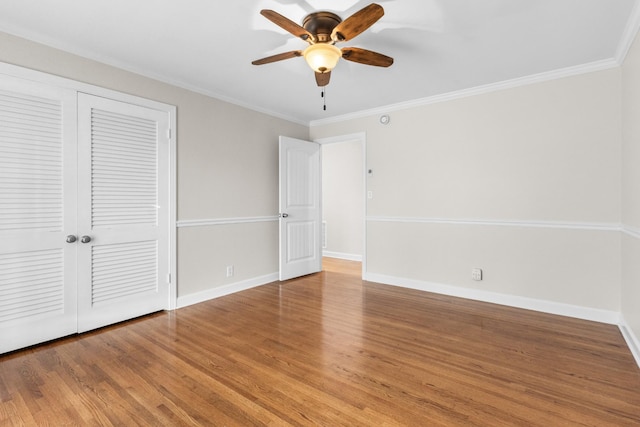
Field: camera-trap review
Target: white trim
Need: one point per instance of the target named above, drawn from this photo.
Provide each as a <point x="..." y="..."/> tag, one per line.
<point x="585" y="226"/>
<point x="323" y="235"/>
<point x="627" y="39"/>
<point x="358" y="136"/>
<point x="221" y="291"/>
<point x="602" y="65"/>
<point x="224" y="221"/>
<point x="340" y="255"/>
<point x="63" y="82"/>
<point x="365" y="181"/>
<point x="173" y="210"/>
<point x="631" y="231"/>
<point x="90" y="55"/>
<point x="595" y="226"/>
<point x="586" y="313"/>
<point x="629" y="34"/>
<point x="631" y="29"/>
<point x="633" y="342"/>
<point x="362" y="138"/>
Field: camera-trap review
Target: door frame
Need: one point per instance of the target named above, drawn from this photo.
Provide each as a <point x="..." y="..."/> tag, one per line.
<point x="360" y="137"/>
<point x="171" y="110"/>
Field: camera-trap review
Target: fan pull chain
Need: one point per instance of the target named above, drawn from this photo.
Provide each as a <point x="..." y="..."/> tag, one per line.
<point x="324" y="98"/>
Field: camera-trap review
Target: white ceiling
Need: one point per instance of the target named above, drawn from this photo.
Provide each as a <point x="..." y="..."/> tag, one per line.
<point x="439" y="46"/>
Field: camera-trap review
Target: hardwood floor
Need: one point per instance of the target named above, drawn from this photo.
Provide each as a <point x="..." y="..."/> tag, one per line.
<point x="330" y="350"/>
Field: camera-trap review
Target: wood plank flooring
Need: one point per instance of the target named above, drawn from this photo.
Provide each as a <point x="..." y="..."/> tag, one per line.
<point x="329" y="350"/>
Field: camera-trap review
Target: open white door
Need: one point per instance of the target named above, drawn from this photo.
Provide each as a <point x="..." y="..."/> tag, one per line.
<point x="300" y="210"/>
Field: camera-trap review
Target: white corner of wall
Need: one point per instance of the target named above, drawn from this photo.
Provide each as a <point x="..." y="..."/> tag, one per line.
<point x="221" y="291"/>
<point x="550" y="307"/>
<point x="633" y="342"/>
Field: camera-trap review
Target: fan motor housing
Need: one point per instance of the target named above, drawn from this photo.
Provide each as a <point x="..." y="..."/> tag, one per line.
<point x="321" y="24"/>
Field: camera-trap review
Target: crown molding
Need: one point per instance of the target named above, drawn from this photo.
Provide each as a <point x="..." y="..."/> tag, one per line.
<point x="628" y="37"/>
<point x="591" y="67"/>
<point x="629" y="34"/>
<point x="120" y="65"/>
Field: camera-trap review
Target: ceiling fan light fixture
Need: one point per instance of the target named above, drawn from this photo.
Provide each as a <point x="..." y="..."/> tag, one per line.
<point x="322" y="57"/>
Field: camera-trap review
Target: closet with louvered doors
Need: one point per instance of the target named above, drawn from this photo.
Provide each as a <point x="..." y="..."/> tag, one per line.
<point x="123" y="222"/>
<point x="38" y="291"/>
<point x="84" y="211"/>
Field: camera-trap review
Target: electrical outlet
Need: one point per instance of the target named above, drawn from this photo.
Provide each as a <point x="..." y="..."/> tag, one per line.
<point x="476" y="274"/>
<point x="229" y="270"/>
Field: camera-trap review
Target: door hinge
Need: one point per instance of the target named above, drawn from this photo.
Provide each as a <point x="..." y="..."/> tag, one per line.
<point x="169" y="133"/>
<point x="169" y="278"/>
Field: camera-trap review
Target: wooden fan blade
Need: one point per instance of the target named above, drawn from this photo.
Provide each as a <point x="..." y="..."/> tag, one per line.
<point x="323" y="78"/>
<point x="364" y="56"/>
<point x="357" y="23"/>
<point x="288" y="25"/>
<point x="278" y="57"/>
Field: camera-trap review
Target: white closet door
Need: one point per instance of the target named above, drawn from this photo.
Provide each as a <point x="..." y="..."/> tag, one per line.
<point x="37" y="212"/>
<point x="123" y="223"/>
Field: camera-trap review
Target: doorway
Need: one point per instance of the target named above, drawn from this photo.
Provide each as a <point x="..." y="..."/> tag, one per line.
<point x="344" y="197"/>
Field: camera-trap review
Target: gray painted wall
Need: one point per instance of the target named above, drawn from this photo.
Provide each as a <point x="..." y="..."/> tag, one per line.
<point x="523" y="182"/>
<point x="631" y="192"/>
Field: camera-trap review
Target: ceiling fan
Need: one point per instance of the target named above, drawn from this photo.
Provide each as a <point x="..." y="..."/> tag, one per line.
<point x="322" y="30"/>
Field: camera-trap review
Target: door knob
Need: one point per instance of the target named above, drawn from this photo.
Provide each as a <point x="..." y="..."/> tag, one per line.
<point x="71" y="238"/>
<point x="284" y="215"/>
<point x="85" y="239"/>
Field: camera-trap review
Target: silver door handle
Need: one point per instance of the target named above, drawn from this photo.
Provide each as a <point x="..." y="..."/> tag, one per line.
<point x="71" y="238"/>
<point x="284" y="215"/>
<point x="85" y="239"/>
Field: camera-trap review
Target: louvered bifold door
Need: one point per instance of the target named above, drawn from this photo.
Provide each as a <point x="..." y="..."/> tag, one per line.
<point x="123" y="215"/>
<point x="37" y="212"/>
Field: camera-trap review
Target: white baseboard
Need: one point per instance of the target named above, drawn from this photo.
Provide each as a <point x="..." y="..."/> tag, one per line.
<point x="633" y="342"/>
<point x="340" y="255"/>
<point x="226" y="290"/>
<point x="585" y="313"/>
